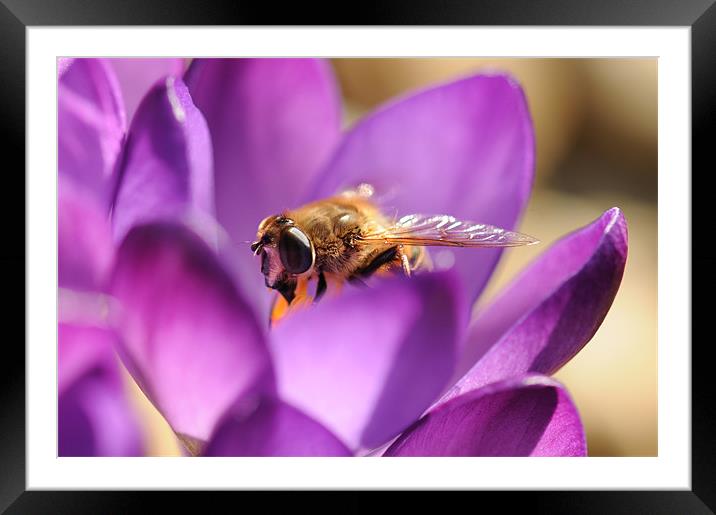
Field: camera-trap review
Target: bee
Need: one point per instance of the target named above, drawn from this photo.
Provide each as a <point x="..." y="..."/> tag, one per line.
<point x="348" y="238"/>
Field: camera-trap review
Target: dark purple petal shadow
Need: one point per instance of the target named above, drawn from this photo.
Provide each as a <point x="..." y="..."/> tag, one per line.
<point x="525" y="416"/>
<point x="273" y="428"/>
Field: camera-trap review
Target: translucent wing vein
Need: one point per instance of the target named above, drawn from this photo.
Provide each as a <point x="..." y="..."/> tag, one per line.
<point x="445" y="230"/>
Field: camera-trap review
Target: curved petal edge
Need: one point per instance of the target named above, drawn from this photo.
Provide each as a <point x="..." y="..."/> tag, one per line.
<point x="95" y="417"/>
<point x="165" y="170"/>
<point x="546" y="315"/>
<point x="187" y="336"/>
<point x="272" y="428"/>
<point x="527" y="416"/>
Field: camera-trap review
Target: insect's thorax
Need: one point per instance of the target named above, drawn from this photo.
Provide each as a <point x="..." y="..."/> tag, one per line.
<point x="335" y="226"/>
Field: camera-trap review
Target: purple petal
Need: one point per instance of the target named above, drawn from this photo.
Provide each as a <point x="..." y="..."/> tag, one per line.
<point x="273" y="429"/>
<point x="369" y="362"/>
<point x="552" y="309"/>
<point x="63" y="64"/>
<point x="90" y="125"/>
<point x="465" y="149"/>
<point x="80" y="349"/>
<point x="526" y="416"/>
<point x="136" y="76"/>
<point x="188" y="338"/>
<point x="94" y="417"/>
<point x="273" y="123"/>
<point x="85" y="246"/>
<point x="166" y="165"/>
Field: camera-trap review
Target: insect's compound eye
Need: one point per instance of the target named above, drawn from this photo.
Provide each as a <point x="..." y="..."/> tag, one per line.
<point x="295" y="250"/>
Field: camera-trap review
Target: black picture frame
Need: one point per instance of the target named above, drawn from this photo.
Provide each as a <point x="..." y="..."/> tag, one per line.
<point x="17" y="15"/>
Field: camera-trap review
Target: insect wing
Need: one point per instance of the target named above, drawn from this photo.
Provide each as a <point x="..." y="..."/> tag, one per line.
<point x="446" y="231"/>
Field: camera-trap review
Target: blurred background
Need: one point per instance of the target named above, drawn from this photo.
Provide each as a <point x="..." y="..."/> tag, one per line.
<point x="596" y="130"/>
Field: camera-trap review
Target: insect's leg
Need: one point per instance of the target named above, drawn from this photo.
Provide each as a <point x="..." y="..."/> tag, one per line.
<point x="287" y="288"/>
<point x="421" y="259"/>
<point x="381" y="259"/>
<point x="279" y="308"/>
<point x="356" y="280"/>
<point x="406" y="264"/>
<point x="321" y="287"/>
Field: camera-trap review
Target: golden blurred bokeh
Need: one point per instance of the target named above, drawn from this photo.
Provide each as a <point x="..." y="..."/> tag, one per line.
<point x="159" y="439"/>
<point x="369" y="82"/>
<point x="596" y="129"/>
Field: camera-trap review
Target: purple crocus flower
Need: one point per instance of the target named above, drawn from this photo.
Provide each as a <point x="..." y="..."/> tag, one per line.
<point x="397" y="369"/>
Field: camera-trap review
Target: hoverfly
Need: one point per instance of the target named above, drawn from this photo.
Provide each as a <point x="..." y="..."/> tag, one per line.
<point x="348" y="238"/>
